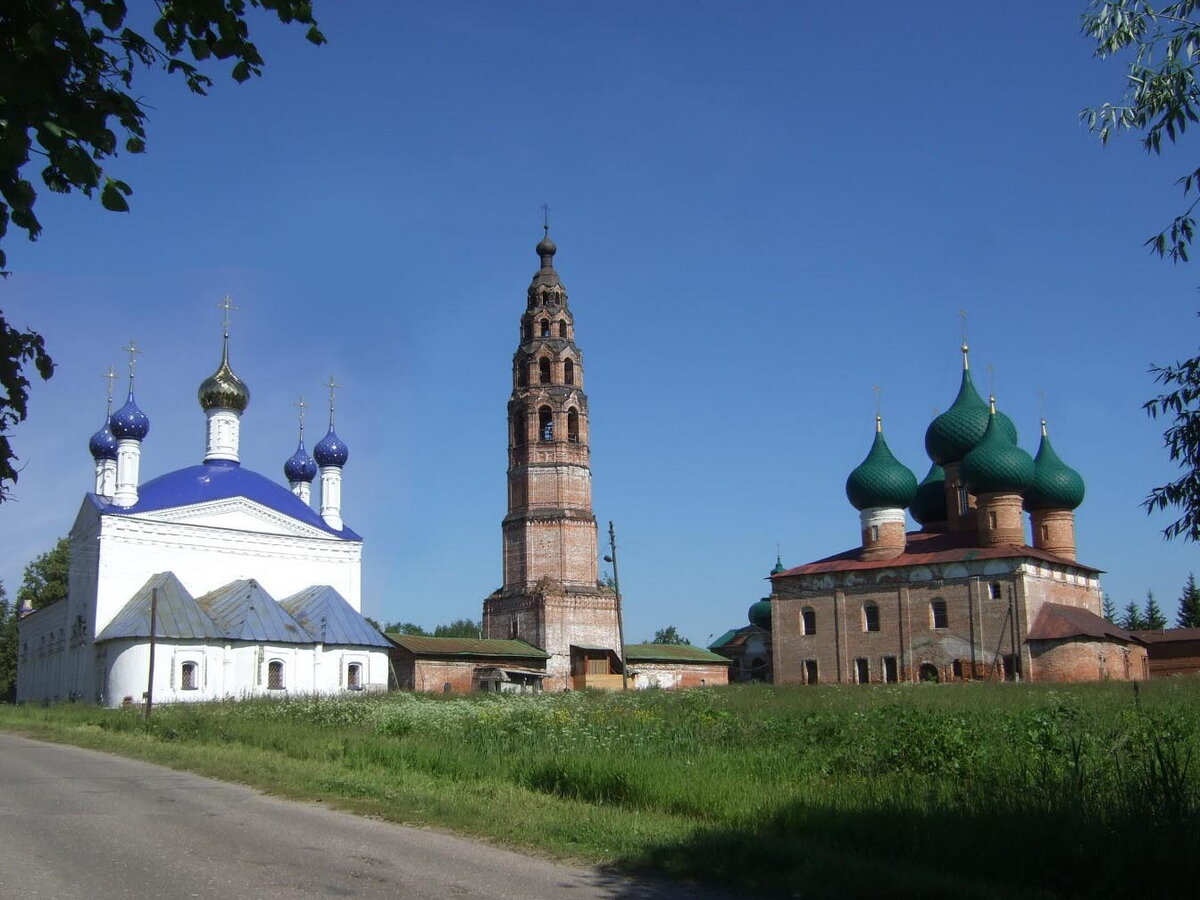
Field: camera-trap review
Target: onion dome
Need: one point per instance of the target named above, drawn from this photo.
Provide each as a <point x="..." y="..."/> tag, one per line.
<point x="223" y="389"/>
<point x="929" y="504"/>
<point x="331" y="451"/>
<point x="997" y="465"/>
<point x="546" y="249"/>
<point x="102" y="444"/>
<point x="300" y="466"/>
<point x="1055" y="484"/>
<point x="880" y="480"/>
<point x="760" y="614"/>
<point x="779" y="567"/>
<point x="129" y="421"/>
<point x="953" y="434"/>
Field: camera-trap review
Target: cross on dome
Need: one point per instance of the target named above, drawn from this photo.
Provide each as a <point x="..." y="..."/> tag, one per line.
<point x="133" y="351"/>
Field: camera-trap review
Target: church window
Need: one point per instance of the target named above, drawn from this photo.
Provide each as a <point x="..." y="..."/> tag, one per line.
<point x="994" y="592"/>
<point x="544" y="370"/>
<point x="354" y="676"/>
<point x="187" y="677"/>
<point x="810" y="671"/>
<point x="938" y="614"/>
<point x="275" y="675"/>
<point x="991" y="519"/>
<point x="545" y="424"/>
<point x="929" y="672"/>
<point x="545" y="328"/>
<point x="1045" y="534"/>
<point x="573" y="425"/>
<point x="562" y="329"/>
<point x="568" y="372"/>
<point x="870" y="617"/>
<point x="874" y="534"/>
<point x="529" y="329"/>
<point x="514" y="629"/>
<point x="956" y="668"/>
<point x="964" y="501"/>
<point x="522" y="373"/>
<point x="808" y="620"/>
<point x="891" y="673"/>
<point x="862" y="670"/>
<point x="518" y="427"/>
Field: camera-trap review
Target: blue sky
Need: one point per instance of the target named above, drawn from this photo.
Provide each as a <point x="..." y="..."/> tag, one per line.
<point x="762" y="212"/>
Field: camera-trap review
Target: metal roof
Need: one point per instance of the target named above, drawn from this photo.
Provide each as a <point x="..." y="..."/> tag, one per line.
<point x="177" y="614"/>
<point x="449" y="646"/>
<point x="221" y="480"/>
<point x="685" y="653"/>
<point x="245" y="612"/>
<point x="725" y="638"/>
<point x="1056" y="621"/>
<point x="325" y="614"/>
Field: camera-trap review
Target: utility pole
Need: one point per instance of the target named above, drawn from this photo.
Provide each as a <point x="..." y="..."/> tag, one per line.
<point x="612" y="545"/>
<point x="153" y="629"/>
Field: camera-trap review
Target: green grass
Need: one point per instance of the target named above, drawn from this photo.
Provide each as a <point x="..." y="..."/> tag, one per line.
<point x="970" y="790"/>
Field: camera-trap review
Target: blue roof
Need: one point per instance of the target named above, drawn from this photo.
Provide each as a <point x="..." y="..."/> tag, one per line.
<point x="245" y="612"/>
<point x="177" y="615"/>
<point x="331" y="450"/>
<point x="129" y="421"/>
<point x="220" y="479"/>
<point x="327" y="616"/>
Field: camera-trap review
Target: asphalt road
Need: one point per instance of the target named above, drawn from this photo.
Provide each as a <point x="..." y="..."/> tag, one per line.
<point x="79" y="824"/>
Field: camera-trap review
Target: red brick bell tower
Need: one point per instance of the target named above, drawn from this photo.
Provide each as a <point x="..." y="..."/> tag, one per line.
<point x="551" y="597"/>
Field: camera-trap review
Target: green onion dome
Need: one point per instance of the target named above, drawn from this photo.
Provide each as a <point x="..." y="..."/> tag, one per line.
<point x="779" y="566"/>
<point x="223" y="389"/>
<point x="760" y="614"/>
<point x="1055" y="484"/>
<point x="929" y="504"/>
<point x="997" y="465"/>
<point x="880" y="480"/>
<point x="953" y="434"/>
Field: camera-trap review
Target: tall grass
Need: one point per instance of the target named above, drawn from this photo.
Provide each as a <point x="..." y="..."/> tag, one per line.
<point x="950" y="789"/>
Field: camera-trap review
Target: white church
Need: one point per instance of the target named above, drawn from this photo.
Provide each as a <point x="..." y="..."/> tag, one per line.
<point x="253" y="591"/>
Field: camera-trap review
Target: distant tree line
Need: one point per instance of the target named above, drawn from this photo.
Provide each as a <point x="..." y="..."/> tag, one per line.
<point x="1148" y="615"/>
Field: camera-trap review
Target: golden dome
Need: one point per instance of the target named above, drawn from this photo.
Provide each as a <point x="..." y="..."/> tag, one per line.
<point x="223" y="389"/>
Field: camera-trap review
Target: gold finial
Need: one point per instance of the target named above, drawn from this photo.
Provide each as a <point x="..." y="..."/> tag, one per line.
<point x="111" y="375"/>
<point x="301" y="405"/>
<point x="992" y="403"/>
<point x="333" y="386"/>
<point x="133" y="351"/>
<point x="966" y="348"/>
<point x="227" y="305"/>
<point x="1044" y="427"/>
<point x="878" y="407"/>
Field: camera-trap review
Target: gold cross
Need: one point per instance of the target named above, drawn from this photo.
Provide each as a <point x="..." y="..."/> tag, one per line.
<point x="301" y="406"/>
<point x="111" y="375"/>
<point x="227" y="305"/>
<point x="546" y="218"/>
<point x="878" y="400"/>
<point x="132" y="350"/>
<point x="333" y="386"/>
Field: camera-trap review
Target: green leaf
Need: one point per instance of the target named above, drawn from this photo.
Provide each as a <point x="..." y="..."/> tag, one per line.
<point x="135" y="145"/>
<point x="113" y="195"/>
<point x="241" y="71"/>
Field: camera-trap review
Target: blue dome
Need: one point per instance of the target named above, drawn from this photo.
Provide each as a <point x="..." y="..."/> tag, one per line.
<point x="330" y="451"/>
<point x="129" y="421"/>
<point x="300" y="466"/>
<point x="102" y="444"/>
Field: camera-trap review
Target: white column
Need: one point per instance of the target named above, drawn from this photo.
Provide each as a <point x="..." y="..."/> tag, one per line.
<point x="129" y="457"/>
<point x="331" y="496"/>
<point x="106" y="478"/>
<point x="301" y="489"/>
<point x="224" y="426"/>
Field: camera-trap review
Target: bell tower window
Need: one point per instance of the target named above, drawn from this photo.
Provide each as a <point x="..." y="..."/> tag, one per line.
<point x="573" y="425"/>
<point x="545" y="328"/>
<point x="562" y="329"/>
<point x="568" y="372"/>
<point x="518" y="427"/>
<point x="545" y="424"/>
<point x="543" y="371"/>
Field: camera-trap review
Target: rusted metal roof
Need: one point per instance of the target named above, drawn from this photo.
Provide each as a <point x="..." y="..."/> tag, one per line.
<point x="929" y="548"/>
<point x="1168" y="635"/>
<point x="685" y="653"/>
<point x="329" y="619"/>
<point x="1055" y="622"/>
<point x="177" y="615"/>
<point x="420" y="645"/>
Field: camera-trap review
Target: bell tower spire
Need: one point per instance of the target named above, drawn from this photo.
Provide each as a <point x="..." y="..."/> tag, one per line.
<point x="550" y="596"/>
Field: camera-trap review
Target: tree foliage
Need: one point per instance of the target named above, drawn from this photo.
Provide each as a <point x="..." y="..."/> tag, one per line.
<point x="461" y="628"/>
<point x="405" y="628"/>
<point x="68" y="105"/>
<point x="1161" y="99"/>
<point x="1132" y="619"/>
<point x="8" y="649"/>
<point x="1110" y="609"/>
<point x="45" y="579"/>
<point x="1155" y="620"/>
<point x="1189" y="604"/>
<point x="669" y="635"/>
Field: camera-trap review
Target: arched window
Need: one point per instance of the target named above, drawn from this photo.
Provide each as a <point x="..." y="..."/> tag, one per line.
<point x="354" y="676"/>
<point x="545" y="424"/>
<point x="568" y="371"/>
<point x="543" y="371"/>
<point x="522" y="372"/>
<point x="545" y="328"/>
<point x="518" y="427"/>
<point x="870" y="617"/>
<point x="187" y="677"/>
<point x="994" y="592"/>
<point x="939" y="618"/>
<point x="573" y="425"/>
<point x="562" y="329"/>
<point x="808" y="620"/>
<point x="956" y="668"/>
<point x="928" y="672"/>
<point x="275" y="675"/>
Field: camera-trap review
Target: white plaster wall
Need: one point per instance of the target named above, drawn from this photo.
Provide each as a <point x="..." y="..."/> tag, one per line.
<point x="42" y="654"/>
<point x="204" y="557"/>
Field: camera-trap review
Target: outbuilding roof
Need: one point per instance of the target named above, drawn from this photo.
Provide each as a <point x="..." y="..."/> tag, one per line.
<point x="681" y="653"/>
<point x="1056" y="621"/>
<point x="421" y="645"/>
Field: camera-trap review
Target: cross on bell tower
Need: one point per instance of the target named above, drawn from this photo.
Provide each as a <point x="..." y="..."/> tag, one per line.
<point x="550" y="596"/>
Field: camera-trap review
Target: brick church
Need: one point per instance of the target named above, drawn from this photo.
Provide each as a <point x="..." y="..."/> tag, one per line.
<point x="967" y="596"/>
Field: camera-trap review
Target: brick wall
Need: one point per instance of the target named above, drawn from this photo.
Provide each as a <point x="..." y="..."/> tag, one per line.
<point x="1082" y="659"/>
<point x="680" y="675"/>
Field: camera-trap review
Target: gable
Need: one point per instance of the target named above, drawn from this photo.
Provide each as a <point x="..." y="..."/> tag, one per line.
<point x="236" y="514"/>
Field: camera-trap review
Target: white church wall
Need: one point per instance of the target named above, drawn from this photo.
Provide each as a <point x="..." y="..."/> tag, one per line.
<point x="42" y="654"/>
<point x="205" y="558"/>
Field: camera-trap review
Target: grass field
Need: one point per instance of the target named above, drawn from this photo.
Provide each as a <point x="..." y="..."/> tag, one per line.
<point x="970" y="790"/>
